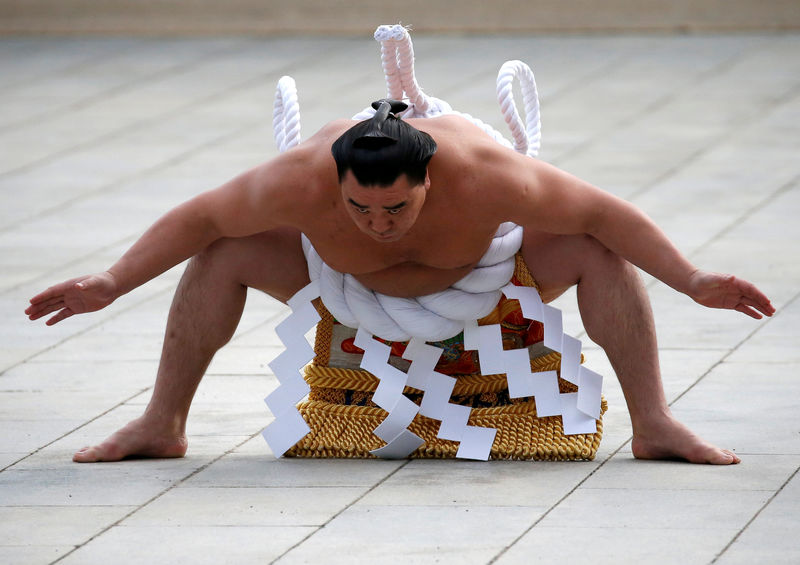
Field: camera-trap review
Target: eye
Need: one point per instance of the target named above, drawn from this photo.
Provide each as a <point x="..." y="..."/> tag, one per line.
<point x="362" y="210"/>
<point x="394" y="211"/>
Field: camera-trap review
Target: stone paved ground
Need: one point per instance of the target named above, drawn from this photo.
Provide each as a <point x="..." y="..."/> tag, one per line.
<point x="100" y="136"/>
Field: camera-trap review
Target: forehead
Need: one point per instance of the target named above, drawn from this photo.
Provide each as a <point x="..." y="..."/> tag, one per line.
<point x="398" y="192"/>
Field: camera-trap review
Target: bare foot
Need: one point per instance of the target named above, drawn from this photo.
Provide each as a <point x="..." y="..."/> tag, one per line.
<point x="136" y="439"/>
<point x="673" y="440"/>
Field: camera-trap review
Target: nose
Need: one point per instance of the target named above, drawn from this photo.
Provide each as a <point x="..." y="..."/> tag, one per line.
<point x="380" y="225"/>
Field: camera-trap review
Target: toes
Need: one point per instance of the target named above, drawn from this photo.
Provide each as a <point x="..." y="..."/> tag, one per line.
<point x="733" y="458"/>
<point x="85" y="455"/>
<point x="97" y="454"/>
<point x="722" y="457"/>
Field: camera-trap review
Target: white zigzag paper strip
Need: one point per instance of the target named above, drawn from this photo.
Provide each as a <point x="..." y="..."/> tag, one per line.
<point x="475" y="442"/>
<point x="576" y="411"/>
<point x="400" y="442"/>
<point x="289" y="427"/>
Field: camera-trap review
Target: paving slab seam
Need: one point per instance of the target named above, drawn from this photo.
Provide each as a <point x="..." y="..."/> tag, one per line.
<point x="656" y="104"/>
<point x="555" y="504"/>
<point x="168" y="72"/>
<point x="751" y="520"/>
<point x="788" y="186"/>
<point x="174" y="160"/>
<point x="45" y="275"/>
<point x="755" y="330"/>
<point x="156" y="497"/>
<point x="88" y="328"/>
<point x="252" y="82"/>
<point x="618" y="449"/>
<point x="73" y="430"/>
<point x="65" y="70"/>
<point x="118" y="183"/>
<point x="339" y="513"/>
<point x="591" y="74"/>
<point x="711" y="144"/>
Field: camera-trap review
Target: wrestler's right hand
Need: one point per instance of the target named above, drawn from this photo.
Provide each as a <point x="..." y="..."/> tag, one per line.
<point x="75" y="296"/>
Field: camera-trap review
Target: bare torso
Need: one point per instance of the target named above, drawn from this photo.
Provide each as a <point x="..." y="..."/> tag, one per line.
<point x="450" y="236"/>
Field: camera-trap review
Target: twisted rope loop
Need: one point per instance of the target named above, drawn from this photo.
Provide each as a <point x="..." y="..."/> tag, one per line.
<point x="527" y="140"/>
<point x="286" y="114"/>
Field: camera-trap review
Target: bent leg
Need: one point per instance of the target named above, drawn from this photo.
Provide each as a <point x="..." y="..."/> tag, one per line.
<point x="203" y="317"/>
<point x="616" y="313"/>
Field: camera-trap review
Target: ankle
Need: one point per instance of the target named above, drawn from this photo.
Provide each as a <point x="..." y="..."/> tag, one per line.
<point x="653" y="421"/>
<point x="167" y="422"/>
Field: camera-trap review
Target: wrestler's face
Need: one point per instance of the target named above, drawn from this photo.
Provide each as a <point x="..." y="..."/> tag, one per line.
<point x="385" y="213"/>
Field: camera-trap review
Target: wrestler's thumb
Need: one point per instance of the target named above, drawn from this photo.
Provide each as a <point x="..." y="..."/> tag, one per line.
<point x="86" y="284"/>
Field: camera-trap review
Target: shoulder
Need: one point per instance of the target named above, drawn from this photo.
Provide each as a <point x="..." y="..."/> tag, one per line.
<point x="300" y="178"/>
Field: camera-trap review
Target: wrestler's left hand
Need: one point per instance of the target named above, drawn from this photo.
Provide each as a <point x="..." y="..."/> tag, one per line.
<point x="75" y="296"/>
<point x="716" y="290"/>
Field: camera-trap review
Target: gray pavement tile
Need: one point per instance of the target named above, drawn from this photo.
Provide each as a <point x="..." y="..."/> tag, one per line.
<point x="477" y="484"/>
<point x="30" y="435"/>
<point x="121" y="69"/>
<point x="56" y="525"/>
<point x="246" y="506"/>
<point x="243" y="360"/>
<point x="188" y="545"/>
<point x="56" y="386"/>
<point x="257" y="467"/>
<point x="231" y="388"/>
<point x="657" y="509"/>
<point x="755" y="473"/>
<point x="773" y="532"/>
<point x="29" y="60"/>
<point x="92" y="347"/>
<point x="79" y="485"/>
<point x="594" y="542"/>
<point x="414" y="534"/>
<point x="774" y="342"/>
<point x="748" y="407"/>
<point x="11" y="457"/>
<point x="33" y="554"/>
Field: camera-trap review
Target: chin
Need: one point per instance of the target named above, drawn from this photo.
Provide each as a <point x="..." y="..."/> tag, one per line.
<point x="386" y="239"/>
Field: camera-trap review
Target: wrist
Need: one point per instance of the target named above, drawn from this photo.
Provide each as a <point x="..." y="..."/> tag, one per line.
<point x="116" y="287"/>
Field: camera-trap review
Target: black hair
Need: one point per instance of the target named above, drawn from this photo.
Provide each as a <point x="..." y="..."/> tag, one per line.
<point x="382" y="148"/>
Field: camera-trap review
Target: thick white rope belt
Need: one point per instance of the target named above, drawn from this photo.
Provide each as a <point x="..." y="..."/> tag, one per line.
<point x="433" y="317"/>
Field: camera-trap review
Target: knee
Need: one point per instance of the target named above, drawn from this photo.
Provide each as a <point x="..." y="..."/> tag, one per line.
<point x="598" y="256"/>
<point x="215" y="258"/>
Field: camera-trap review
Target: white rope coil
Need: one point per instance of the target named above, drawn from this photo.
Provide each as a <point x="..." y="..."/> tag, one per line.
<point x="440" y="315"/>
<point x="433" y="317"/>
<point x="527" y="140"/>
<point x="286" y="114"/>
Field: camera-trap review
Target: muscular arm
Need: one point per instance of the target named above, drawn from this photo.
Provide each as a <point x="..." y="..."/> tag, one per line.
<point x="248" y="204"/>
<point x="252" y="202"/>
<point x="562" y="203"/>
<point x="551" y="200"/>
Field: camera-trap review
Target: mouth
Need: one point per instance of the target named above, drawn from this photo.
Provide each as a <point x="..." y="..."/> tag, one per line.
<point x="390" y="236"/>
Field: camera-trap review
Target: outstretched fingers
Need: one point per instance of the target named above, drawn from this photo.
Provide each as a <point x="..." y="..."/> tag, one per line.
<point x="752" y="300"/>
<point x="36" y="311"/>
<point x="62" y="315"/>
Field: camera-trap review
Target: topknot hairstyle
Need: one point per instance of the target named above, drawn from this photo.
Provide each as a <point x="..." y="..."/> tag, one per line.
<point x="383" y="147"/>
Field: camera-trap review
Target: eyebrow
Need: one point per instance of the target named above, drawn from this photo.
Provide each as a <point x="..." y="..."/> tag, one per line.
<point x="393" y="207"/>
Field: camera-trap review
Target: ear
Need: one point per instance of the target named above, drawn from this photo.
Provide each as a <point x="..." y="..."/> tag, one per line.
<point x="427" y="182"/>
